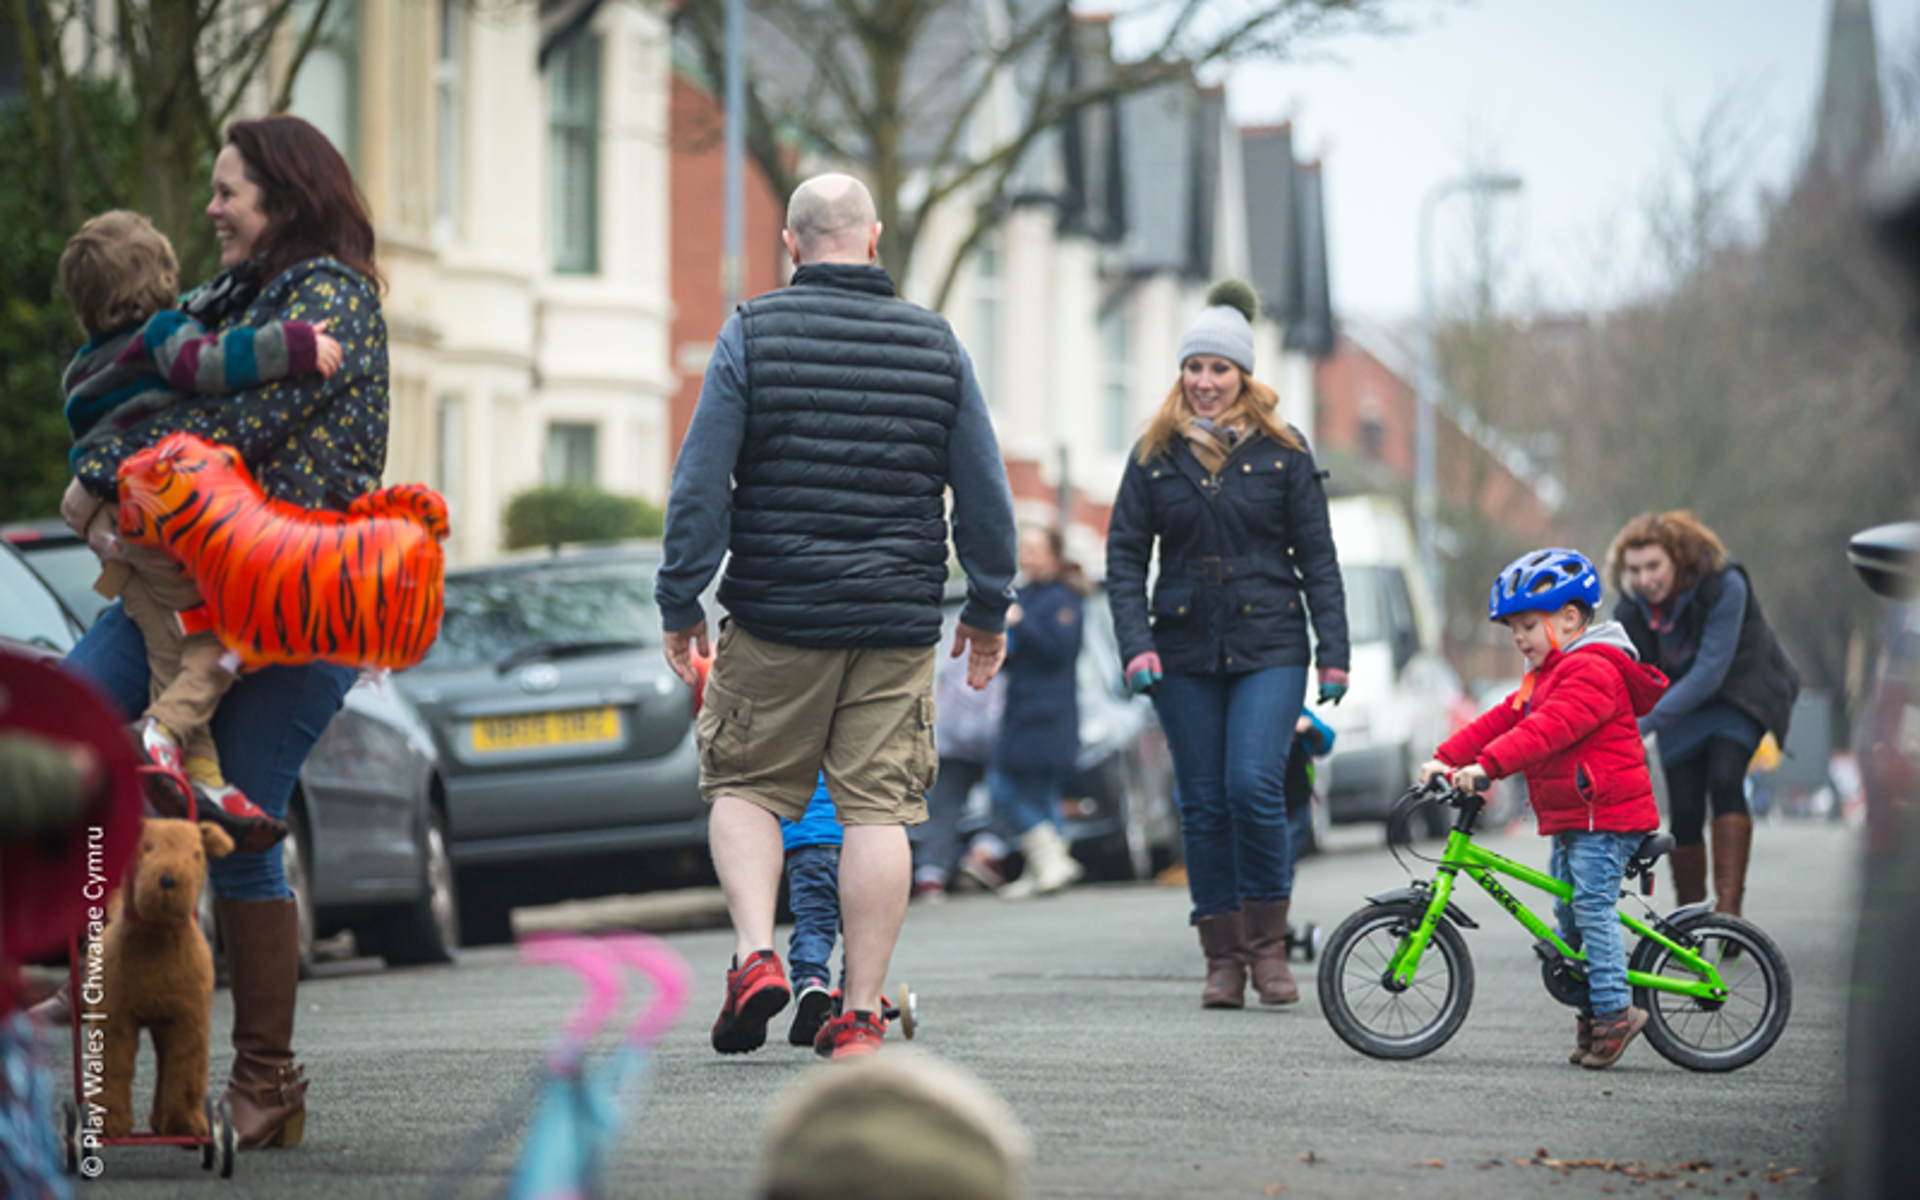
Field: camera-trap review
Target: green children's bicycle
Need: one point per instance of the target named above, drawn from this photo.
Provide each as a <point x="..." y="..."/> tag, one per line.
<point x="1396" y="980"/>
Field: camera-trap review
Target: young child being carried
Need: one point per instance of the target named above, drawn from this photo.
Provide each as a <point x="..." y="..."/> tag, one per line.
<point x="1572" y="730"/>
<point x="141" y="355"/>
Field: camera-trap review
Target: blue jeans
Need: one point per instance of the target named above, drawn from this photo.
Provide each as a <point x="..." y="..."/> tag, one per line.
<point x="1230" y="736"/>
<point x="1594" y="864"/>
<point x="1024" y="799"/>
<point x="267" y="723"/>
<point x="813" y="893"/>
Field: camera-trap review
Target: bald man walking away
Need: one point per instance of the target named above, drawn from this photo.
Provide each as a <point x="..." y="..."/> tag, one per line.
<point x="833" y="419"/>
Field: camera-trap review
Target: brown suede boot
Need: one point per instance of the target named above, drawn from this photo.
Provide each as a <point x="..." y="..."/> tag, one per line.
<point x="1689" y="873"/>
<point x="1267" y="952"/>
<point x="1224" y="939"/>
<point x="1732" y="847"/>
<point x="267" y="1091"/>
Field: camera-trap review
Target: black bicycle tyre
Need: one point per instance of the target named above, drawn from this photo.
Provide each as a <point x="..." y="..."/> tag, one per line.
<point x="1359" y="1006"/>
<point x="1680" y="1028"/>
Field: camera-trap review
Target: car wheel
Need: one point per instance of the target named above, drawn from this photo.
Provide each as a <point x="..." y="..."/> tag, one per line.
<point x="428" y="930"/>
<point x="207" y="916"/>
<point x="295" y="857"/>
<point x="1139" y="847"/>
<point x="1319" y="825"/>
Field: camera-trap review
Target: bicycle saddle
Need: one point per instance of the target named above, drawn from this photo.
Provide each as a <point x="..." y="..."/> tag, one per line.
<point x="1652" y="847"/>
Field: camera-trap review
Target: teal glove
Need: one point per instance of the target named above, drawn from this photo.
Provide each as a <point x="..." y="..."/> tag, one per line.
<point x="1333" y="685"/>
<point x="1143" y="673"/>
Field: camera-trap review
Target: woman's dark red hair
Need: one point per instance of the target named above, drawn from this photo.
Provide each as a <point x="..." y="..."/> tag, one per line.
<point x="312" y="205"/>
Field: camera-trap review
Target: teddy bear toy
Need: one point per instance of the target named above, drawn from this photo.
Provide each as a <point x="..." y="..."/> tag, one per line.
<point x="157" y="975"/>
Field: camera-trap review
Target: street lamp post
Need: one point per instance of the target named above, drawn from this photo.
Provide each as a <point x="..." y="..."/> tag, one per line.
<point x="1426" y="500"/>
<point x="734" y="221"/>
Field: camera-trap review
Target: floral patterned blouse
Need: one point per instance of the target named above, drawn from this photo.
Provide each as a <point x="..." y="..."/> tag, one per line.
<point x="311" y="441"/>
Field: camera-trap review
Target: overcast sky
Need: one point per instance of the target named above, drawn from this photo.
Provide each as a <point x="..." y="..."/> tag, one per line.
<point x="1582" y="98"/>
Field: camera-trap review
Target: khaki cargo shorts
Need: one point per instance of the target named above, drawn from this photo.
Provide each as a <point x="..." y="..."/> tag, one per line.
<point x="775" y="716"/>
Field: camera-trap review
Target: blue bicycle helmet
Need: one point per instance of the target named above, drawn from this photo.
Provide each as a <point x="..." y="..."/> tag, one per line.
<point x="1544" y="581"/>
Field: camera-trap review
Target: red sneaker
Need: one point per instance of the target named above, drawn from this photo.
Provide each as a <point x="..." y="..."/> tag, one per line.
<point x="755" y="992"/>
<point x="855" y="1035"/>
<point x="163" y="769"/>
<point x="250" y="826"/>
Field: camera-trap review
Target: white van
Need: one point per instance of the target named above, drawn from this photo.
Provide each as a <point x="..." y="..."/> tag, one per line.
<point x="1403" y="693"/>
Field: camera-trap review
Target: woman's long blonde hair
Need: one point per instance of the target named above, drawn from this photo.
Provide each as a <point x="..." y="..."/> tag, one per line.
<point x="1257" y="406"/>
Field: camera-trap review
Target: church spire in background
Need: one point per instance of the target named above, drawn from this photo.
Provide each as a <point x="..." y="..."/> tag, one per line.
<point x="1850" y="122"/>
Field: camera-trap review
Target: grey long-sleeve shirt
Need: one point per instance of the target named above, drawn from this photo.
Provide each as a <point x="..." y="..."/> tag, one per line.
<point x="700" y="504"/>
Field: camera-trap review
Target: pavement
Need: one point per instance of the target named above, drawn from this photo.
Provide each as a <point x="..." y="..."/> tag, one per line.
<point x="1082" y="1011"/>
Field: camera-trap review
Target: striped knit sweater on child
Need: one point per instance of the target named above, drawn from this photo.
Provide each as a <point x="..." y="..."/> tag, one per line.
<point x="118" y="380"/>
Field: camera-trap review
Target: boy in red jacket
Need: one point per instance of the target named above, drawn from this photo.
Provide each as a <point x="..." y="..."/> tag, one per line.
<point x="1572" y="730"/>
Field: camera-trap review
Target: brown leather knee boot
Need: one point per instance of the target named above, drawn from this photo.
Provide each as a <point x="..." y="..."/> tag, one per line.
<point x="1267" y="952"/>
<point x="267" y="1092"/>
<point x="1224" y="939"/>
<point x="1689" y="873"/>
<point x="1732" y="847"/>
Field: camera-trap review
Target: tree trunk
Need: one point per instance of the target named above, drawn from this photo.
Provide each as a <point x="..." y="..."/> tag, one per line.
<point x="176" y="147"/>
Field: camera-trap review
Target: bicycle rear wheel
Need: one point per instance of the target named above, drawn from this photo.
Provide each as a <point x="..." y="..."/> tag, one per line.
<point x="1378" y="1020"/>
<point x="1717" y="1035"/>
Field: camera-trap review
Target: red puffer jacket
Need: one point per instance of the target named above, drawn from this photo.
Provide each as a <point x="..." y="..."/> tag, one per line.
<point x="1576" y="739"/>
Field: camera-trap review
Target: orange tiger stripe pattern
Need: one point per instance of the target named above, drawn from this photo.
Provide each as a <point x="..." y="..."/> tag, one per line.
<point x="285" y="584"/>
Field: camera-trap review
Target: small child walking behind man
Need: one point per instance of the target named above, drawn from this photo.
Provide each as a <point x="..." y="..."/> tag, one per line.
<point x="1572" y="730"/>
<point x="141" y="355"/>
<point x="813" y="893"/>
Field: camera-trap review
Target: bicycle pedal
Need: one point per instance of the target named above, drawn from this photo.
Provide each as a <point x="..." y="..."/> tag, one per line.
<point x="1546" y="951"/>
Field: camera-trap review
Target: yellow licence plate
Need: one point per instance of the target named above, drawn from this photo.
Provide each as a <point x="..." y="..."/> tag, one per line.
<point x="528" y="731"/>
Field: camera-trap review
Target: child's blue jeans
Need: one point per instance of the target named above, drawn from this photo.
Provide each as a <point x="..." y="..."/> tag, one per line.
<point x="813" y="893"/>
<point x="1594" y="864"/>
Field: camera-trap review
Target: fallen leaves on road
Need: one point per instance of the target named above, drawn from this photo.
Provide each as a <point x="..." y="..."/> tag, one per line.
<point x="1274" y="1189"/>
<point x="1639" y="1172"/>
<point x="1430" y="1164"/>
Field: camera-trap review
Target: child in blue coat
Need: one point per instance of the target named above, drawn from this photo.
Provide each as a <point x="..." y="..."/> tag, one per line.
<point x="813" y="893"/>
<point x="1312" y="738"/>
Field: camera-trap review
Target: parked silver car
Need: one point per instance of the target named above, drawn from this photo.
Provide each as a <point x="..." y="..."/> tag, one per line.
<point x="1117" y="811"/>
<point x="567" y="743"/>
<point x="367" y="848"/>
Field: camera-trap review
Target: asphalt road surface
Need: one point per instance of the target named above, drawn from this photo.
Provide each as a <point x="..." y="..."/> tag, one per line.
<point x="1083" y="1011"/>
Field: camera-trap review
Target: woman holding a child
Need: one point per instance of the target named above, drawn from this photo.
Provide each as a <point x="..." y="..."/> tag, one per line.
<point x="1231" y="495"/>
<point x="1691" y="611"/>
<point x="296" y="245"/>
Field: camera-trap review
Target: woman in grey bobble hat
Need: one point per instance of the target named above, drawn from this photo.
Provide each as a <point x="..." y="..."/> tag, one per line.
<point x="1231" y="494"/>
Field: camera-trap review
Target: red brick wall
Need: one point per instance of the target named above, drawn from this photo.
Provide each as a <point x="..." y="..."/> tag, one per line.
<point x="698" y="236"/>
<point x="1029" y="484"/>
<point x="1353" y="387"/>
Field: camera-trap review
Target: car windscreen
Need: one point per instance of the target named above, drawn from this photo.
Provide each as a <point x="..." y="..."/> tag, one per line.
<point x="28" y="611"/>
<point x="495" y="615"/>
<point x="70" y="569"/>
<point x="1365" y="593"/>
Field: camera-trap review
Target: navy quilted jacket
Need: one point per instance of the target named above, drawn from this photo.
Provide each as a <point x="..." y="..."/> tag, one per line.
<point x="1245" y="558"/>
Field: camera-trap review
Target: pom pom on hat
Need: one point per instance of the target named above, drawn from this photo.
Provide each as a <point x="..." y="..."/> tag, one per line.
<point x="1225" y="326"/>
<point x="1234" y="293"/>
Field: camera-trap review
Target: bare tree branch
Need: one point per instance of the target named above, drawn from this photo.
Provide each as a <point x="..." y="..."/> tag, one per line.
<point x="284" y="96"/>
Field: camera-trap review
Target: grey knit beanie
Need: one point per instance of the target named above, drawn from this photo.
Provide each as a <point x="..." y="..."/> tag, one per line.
<point x="1225" y="326"/>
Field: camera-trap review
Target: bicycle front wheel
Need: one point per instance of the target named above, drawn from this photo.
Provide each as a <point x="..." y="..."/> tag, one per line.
<point x="1389" y="1022"/>
<point x="1717" y="1035"/>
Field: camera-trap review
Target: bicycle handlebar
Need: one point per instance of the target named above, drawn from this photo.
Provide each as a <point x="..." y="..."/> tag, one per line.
<point x="1441" y="788"/>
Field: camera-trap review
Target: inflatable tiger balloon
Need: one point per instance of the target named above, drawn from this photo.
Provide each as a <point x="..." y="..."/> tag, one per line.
<point x="284" y="584"/>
